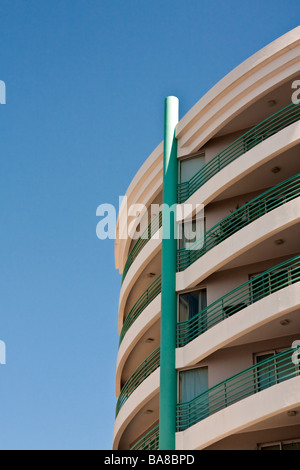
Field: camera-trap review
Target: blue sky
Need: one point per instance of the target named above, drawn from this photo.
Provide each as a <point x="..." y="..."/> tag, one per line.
<point x="86" y="82"/>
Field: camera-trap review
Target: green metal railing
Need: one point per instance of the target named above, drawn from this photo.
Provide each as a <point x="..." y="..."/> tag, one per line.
<point x="145" y="299"/>
<point x="149" y="365"/>
<point x="250" y="139"/>
<point x="152" y="228"/>
<point x="257" y="207"/>
<point x="260" y="286"/>
<point x="263" y="375"/>
<point x="148" y="442"/>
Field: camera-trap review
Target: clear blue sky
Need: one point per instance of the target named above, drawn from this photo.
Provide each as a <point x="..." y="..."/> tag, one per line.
<point x="86" y="81"/>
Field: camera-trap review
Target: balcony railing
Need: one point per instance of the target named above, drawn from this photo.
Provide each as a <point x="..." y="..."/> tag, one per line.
<point x="152" y="228"/>
<point x="263" y="375"/>
<point x="260" y="286"/>
<point x="148" y="442"/>
<point x="257" y="207"/>
<point x="149" y="365"/>
<point x="247" y="141"/>
<point x="145" y="299"/>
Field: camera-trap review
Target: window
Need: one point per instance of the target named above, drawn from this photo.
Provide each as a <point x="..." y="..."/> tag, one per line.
<point x="285" y="445"/>
<point x="270" y="447"/>
<point x="273" y="371"/>
<point x="190" y="232"/>
<point x="190" y="166"/>
<point x="266" y="373"/>
<point x="192" y="383"/>
<point x="290" y="445"/>
<point x="191" y="303"/>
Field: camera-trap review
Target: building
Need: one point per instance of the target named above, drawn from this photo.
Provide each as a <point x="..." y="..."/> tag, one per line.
<point x="208" y="355"/>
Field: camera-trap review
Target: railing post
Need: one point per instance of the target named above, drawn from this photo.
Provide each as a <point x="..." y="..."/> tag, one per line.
<point x="168" y="374"/>
<point x="223" y="311"/>
<point x="225" y="394"/>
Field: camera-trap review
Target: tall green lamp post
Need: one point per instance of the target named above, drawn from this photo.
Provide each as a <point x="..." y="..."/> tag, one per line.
<point x="168" y="375"/>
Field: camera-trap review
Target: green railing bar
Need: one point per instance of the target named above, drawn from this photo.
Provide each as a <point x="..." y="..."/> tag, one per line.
<point x="270" y="126"/>
<point x="144" y="300"/>
<point x="263" y="375"/>
<point x="149" y="441"/>
<point x="149" y="365"/>
<point x="257" y="207"/>
<point x="271" y="280"/>
<point x="152" y="228"/>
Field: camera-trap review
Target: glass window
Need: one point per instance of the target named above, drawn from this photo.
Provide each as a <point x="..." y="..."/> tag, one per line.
<point x="190" y="232"/>
<point x="275" y="371"/>
<point x="286" y="445"/>
<point x="192" y="383"/>
<point x="190" y="166"/>
<point x="291" y="445"/>
<point x="191" y="303"/>
<point x="270" y="447"/>
<point x="266" y="373"/>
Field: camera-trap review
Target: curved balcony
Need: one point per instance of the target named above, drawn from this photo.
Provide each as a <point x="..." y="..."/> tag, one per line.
<point x="149" y="441"/>
<point x="152" y="228"/>
<point x="247" y="141"/>
<point x="145" y="299"/>
<point x="149" y="365"/>
<point x="252" y="210"/>
<point x="135" y="418"/>
<point x="272" y="280"/>
<point x="255" y="379"/>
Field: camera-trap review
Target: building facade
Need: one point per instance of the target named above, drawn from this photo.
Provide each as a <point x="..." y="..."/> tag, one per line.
<point x="209" y="321"/>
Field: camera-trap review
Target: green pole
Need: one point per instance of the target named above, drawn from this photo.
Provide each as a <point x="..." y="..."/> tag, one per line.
<point x="168" y="375"/>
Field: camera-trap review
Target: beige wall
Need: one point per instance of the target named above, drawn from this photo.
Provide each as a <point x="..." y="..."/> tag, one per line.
<point x="227" y="362"/>
<point x="217" y="144"/>
<point x="217" y="211"/>
<point x="223" y="282"/>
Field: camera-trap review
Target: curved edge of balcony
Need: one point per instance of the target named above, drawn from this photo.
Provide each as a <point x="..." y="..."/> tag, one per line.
<point x="240" y="242"/>
<point x="145" y="392"/>
<point x="145" y="185"/>
<point x="241" y="323"/>
<point x="245" y="84"/>
<point x="241" y="415"/>
<point x="242" y="166"/>
<point x="148" y="252"/>
<point x="145" y="320"/>
<point x="133" y="222"/>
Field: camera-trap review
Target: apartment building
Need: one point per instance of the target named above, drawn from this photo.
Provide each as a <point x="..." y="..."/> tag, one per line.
<point x="209" y="321"/>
